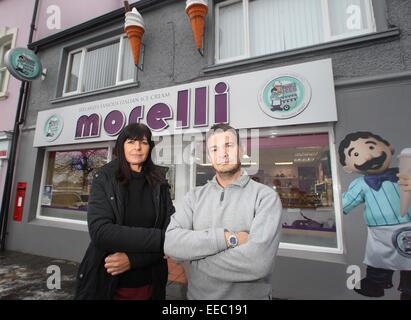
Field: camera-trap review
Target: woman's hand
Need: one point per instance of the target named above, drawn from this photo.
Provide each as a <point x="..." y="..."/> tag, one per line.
<point x="405" y="182"/>
<point x="117" y="263"/>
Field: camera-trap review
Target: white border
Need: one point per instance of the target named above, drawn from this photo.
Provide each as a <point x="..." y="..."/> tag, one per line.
<point x="336" y="187"/>
<point x="107" y="145"/>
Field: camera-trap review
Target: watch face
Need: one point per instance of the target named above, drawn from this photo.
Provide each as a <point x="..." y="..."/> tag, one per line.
<point x="233" y="240"/>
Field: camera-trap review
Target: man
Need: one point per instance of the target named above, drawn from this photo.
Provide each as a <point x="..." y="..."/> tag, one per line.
<point x="388" y="230"/>
<point x="227" y="231"/>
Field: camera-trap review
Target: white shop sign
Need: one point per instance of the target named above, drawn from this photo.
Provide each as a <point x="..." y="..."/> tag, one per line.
<point x="291" y="95"/>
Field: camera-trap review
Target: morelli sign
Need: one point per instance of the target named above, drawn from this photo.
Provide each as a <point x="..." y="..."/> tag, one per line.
<point x="291" y="95"/>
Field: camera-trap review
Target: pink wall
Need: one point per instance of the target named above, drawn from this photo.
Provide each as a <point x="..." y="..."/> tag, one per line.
<point x="72" y="13"/>
<point x="18" y="13"/>
<point x="14" y="14"/>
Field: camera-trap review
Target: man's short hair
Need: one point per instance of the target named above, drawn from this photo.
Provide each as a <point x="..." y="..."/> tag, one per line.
<point x="354" y="137"/>
<point x="222" y="127"/>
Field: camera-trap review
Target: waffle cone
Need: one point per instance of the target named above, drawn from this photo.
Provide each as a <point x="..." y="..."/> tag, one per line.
<point x="197" y="13"/>
<point x="135" y="35"/>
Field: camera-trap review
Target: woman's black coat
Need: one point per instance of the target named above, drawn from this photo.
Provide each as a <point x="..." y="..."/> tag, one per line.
<point x="143" y="246"/>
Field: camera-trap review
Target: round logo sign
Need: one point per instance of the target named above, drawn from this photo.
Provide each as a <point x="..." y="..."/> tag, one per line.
<point x="53" y="127"/>
<point x="23" y="64"/>
<point x="285" y="96"/>
<point x="402" y="241"/>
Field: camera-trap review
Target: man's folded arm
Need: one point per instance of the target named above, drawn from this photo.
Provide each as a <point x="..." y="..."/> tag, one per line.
<point x="254" y="259"/>
<point x="182" y="243"/>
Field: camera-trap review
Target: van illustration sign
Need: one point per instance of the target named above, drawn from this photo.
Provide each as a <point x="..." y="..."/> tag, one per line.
<point x="285" y="96"/>
<point x="23" y="64"/>
<point x="53" y="127"/>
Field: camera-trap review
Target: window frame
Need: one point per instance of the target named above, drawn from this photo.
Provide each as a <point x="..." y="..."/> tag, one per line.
<point x="47" y="150"/>
<point x="326" y="26"/>
<point x="83" y="50"/>
<point x="336" y="191"/>
<point x="7" y="37"/>
<point x="336" y="186"/>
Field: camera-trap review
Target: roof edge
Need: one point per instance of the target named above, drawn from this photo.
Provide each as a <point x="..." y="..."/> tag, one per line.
<point x="92" y="24"/>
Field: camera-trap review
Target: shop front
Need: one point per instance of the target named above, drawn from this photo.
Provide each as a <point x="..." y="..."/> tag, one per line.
<point x="290" y="119"/>
<point x="285" y="117"/>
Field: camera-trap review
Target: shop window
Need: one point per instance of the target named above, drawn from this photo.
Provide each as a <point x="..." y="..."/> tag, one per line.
<point x="5" y="45"/>
<point x="298" y="168"/>
<point x="67" y="181"/>
<point x="98" y="66"/>
<point x="248" y="28"/>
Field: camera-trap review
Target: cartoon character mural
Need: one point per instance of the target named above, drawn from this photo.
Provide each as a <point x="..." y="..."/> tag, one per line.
<point x="388" y="230"/>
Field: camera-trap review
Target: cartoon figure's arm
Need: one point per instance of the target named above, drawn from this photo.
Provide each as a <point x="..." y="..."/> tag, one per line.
<point x="353" y="197"/>
<point x="405" y="182"/>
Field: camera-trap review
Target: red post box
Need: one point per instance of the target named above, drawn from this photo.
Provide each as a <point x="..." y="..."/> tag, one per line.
<point x="19" y="205"/>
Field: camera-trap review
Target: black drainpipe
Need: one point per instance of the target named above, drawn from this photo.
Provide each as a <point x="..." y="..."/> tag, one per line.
<point x="19" y="120"/>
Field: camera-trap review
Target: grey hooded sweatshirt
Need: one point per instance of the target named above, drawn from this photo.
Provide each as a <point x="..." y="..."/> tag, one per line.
<point x="195" y="236"/>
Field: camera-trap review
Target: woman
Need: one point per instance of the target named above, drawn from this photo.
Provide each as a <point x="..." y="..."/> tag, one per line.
<point x="129" y="209"/>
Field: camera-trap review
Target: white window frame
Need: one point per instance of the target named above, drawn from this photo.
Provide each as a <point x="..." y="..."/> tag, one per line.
<point x="336" y="189"/>
<point x="39" y="216"/>
<point x="7" y="36"/>
<point x="266" y="132"/>
<point x="123" y="41"/>
<point x="326" y="26"/>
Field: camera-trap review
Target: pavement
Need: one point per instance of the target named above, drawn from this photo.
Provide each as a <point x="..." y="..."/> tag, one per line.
<point x="30" y="277"/>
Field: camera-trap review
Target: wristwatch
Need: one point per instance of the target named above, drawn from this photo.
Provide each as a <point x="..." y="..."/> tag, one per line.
<point x="232" y="240"/>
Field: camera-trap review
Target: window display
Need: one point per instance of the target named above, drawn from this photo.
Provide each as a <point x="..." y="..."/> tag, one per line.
<point x="67" y="183"/>
<point x="298" y="167"/>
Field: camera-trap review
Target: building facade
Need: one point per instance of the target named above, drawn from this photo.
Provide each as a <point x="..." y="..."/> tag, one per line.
<point x="14" y="32"/>
<point x="294" y="77"/>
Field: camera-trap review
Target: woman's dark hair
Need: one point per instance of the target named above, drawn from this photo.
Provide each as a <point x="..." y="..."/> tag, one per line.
<point x="354" y="137"/>
<point x="136" y="131"/>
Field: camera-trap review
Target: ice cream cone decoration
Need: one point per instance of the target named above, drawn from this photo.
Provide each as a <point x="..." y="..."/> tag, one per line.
<point x="134" y="26"/>
<point x="197" y="11"/>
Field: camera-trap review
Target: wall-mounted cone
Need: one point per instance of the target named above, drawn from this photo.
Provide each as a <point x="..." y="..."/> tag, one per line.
<point x="134" y="26"/>
<point x="135" y="35"/>
<point x="197" y="13"/>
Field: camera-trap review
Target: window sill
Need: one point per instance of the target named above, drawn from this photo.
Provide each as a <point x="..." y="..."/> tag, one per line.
<point x="331" y="257"/>
<point x="59" y="224"/>
<point x="387" y="34"/>
<point x="3" y="95"/>
<point x="96" y="92"/>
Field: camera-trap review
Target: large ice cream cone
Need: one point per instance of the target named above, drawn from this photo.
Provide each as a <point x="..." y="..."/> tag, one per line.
<point x="197" y="11"/>
<point x="405" y="169"/>
<point x="134" y="26"/>
<point x="135" y="35"/>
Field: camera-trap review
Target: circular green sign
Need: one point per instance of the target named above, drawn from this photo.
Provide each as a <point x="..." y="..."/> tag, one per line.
<point x="285" y="96"/>
<point x="23" y="64"/>
<point x="53" y="127"/>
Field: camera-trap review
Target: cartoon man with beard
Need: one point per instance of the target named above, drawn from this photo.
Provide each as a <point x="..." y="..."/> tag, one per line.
<point x="370" y="155"/>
